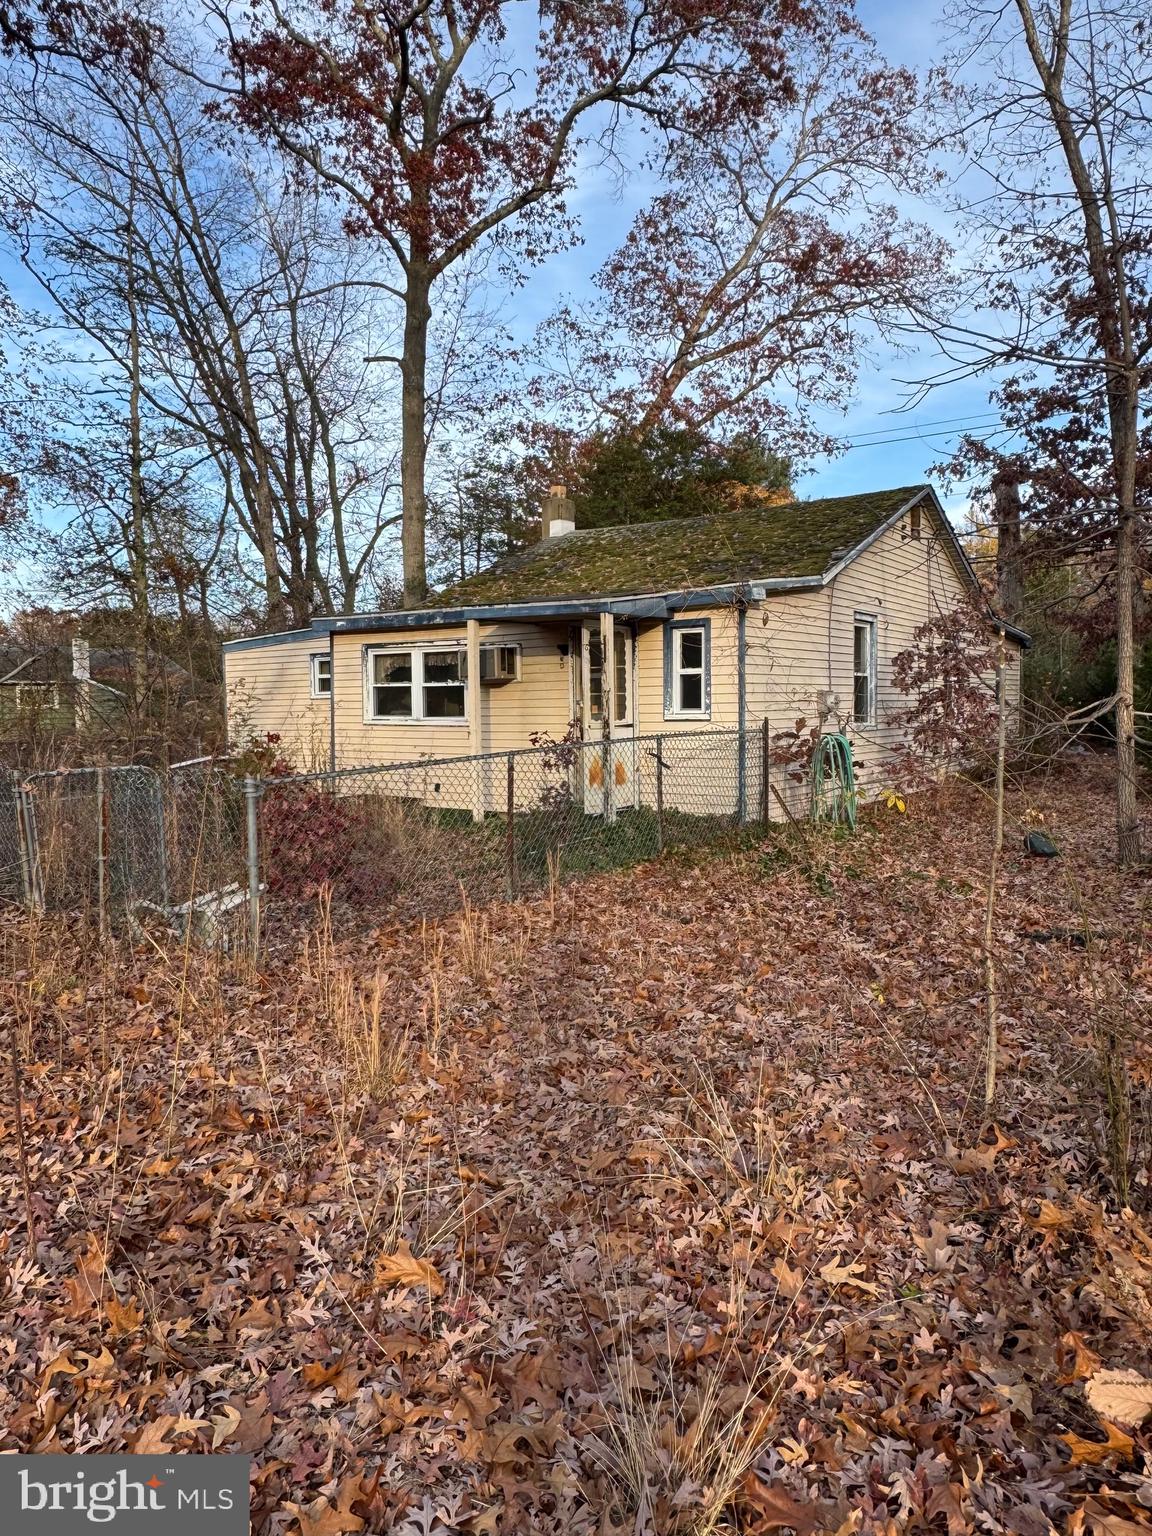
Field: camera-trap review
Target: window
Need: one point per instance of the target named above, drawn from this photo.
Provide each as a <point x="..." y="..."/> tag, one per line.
<point x="914" y="522"/>
<point x="321" y="665"/>
<point x="864" y="670"/>
<point x="37" y="696"/>
<point x="622" y="693"/>
<point x="595" y="676"/>
<point x="687" y="688"/>
<point x="621" y="675"/>
<point x="429" y="683"/>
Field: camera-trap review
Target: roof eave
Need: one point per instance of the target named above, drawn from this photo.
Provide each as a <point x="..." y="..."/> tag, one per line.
<point x="1013" y="631"/>
<point x="890" y="522"/>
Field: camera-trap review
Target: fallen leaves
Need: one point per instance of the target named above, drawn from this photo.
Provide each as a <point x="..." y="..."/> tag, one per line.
<point x="982" y="1158"/>
<point x="1093" y="1453"/>
<point x="776" y="1507"/>
<point x="605" y="1192"/>
<point x="1125" y="1397"/>
<point x="404" y="1269"/>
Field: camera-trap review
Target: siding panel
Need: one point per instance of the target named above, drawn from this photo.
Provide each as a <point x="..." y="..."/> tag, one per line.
<point x="268" y="692"/>
<point x="800" y="645"/>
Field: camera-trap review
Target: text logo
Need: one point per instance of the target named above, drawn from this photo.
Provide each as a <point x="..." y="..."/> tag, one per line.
<point x="63" y="1495"/>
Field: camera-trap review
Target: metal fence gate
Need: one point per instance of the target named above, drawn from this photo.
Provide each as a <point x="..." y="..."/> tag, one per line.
<point x="198" y="843"/>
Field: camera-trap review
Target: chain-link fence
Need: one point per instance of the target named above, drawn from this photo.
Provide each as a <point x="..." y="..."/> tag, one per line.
<point x="416" y="837"/>
<point x="125" y="841"/>
<point x="198" y="844"/>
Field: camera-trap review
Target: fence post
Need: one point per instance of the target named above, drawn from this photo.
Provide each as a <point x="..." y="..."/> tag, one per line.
<point x="510" y="831"/>
<point x="765" y="763"/>
<point x="252" y="791"/>
<point x="659" y="794"/>
<point x="101" y="853"/>
<point x="29" y="852"/>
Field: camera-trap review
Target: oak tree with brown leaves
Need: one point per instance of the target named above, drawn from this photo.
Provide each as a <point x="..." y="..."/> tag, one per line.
<point x="444" y="128"/>
<point x="768" y="262"/>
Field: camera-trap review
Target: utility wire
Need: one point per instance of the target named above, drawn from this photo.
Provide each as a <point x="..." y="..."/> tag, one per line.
<point x="960" y="422"/>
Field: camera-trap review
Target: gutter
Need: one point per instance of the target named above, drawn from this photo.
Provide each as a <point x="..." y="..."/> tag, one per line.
<point x="652" y="605"/>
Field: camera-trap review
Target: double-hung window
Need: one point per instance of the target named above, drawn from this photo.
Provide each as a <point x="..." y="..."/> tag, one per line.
<point x="687" y="687"/>
<point x="321" y="682"/>
<point x="864" y="670"/>
<point x="417" y="683"/>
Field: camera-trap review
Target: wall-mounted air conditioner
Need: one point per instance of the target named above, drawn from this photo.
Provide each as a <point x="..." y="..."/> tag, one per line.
<point x="499" y="663"/>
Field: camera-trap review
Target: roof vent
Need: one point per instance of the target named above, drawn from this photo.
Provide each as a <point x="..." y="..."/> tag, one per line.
<point x="558" y="514"/>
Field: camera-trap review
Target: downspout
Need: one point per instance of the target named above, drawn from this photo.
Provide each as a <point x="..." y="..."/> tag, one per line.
<point x="227" y="699"/>
<point x="741" y="715"/>
<point x="332" y="700"/>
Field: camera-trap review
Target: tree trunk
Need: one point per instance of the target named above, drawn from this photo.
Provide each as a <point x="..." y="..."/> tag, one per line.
<point x="1009" y="548"/>
<point x="1112" y="297"/>
<point x="413" y="441"/>
<point x="1127" y="819"/>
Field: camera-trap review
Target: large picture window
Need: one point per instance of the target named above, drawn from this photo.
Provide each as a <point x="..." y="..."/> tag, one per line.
<point x="864" y="670"/>
<point x="687" y="684"/>
<point x="418" y="683"/>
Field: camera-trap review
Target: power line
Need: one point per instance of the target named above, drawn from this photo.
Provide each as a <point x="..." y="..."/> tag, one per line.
<point x="946" y="421"/>
<point x="978" y="429"/>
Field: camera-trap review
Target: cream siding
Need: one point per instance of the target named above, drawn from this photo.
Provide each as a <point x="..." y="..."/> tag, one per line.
<point x="268" y="693"/>
<point x="801" y="644"/>
<point x="539" y="702"/>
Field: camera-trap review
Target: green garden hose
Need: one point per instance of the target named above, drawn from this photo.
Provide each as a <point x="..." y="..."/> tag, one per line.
<point x="833" y="781"/>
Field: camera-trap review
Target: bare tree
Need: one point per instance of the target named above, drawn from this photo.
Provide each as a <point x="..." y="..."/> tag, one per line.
<point x="222" y="303"/>
<point x="1058" y="131"/>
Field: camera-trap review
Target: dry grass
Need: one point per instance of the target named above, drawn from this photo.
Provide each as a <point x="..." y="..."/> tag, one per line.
<point x="687" y="1235"/>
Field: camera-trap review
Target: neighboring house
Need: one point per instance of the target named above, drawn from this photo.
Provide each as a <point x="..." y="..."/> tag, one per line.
<point x="62" y="688"/>
<point x="778" y="612"/>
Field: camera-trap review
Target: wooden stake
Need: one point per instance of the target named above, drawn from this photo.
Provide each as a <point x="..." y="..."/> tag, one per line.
<point x="21" y="1144"/>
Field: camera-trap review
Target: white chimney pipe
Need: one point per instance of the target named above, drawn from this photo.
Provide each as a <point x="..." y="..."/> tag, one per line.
<point x="82" y="677"/>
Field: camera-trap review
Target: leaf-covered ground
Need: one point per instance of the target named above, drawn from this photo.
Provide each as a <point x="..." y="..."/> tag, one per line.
<point x="662" y="1205"/>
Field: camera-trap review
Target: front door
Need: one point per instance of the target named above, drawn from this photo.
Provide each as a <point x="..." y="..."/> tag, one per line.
<point x="608" y="765"/>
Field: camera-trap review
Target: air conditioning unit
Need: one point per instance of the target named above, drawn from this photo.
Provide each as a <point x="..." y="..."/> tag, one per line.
<point x="499" y="663"/>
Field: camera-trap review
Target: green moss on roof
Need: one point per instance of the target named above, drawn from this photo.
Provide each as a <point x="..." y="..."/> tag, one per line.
<point x="801" y="538"/>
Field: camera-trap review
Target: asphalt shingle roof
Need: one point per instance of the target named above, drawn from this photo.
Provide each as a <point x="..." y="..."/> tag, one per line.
<point x="801" y="538"/>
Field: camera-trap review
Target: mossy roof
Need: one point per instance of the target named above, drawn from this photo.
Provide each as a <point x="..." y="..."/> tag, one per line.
<point x="796" y="540"/>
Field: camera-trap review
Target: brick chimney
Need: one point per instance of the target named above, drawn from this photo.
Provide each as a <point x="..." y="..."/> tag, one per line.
<point x="558" y="514"/>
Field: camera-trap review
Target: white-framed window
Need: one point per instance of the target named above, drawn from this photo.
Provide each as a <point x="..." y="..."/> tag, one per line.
<point x="320" y="664"/>
<point x="687" y="685"/>
<point x="864" y="669"/>
<point x="36" y="696"/>
<point x="416" y="682"/>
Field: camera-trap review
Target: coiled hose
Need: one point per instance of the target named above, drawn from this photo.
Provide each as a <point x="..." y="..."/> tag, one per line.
<point x="833" y="781"/>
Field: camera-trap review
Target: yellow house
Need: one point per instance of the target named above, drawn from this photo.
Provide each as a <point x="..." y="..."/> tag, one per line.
<point x="608" y="639"/>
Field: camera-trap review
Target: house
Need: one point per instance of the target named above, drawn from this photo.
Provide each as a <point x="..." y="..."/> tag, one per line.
<point x="668" y="629"/>
<point x="64" y="687"/>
